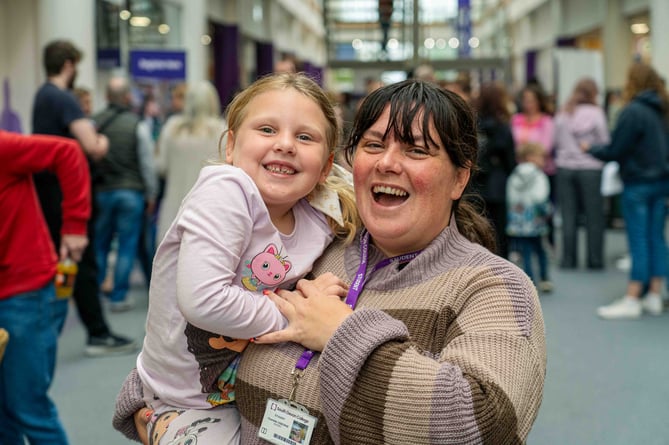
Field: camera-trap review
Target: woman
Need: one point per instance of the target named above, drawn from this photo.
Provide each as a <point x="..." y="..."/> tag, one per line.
<point x="187" y="142"/>
<point x="446" y="341"/>
<point x="496" y="157"/>
<point x="639" y="144"/>
<point x="579" y="175"/>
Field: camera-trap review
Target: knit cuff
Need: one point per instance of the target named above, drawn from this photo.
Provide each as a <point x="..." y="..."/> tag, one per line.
<point x="128" y="402"/>
<point x="353" y="342"/>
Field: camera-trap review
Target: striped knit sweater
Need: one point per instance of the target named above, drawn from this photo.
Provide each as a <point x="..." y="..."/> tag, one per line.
<point x="449" y="349"/>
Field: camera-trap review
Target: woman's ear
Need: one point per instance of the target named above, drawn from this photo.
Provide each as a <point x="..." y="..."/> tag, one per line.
<point x="462" y="175"/>
<point x="326" y="169"/>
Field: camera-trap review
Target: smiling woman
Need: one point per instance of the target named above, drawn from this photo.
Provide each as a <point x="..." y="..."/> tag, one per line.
<point x="438" y="340"/>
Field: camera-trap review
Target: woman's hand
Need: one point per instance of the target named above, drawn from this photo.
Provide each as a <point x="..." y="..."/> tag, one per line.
<point x="330" y="284"/>
<point x="584" y="146"/>
<point x="142" y="418"/>
<point x="313" y="315"/>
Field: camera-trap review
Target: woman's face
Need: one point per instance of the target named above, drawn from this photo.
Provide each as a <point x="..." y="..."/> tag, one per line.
<point x="404" y="193"/>
<point x="530" y="102"/>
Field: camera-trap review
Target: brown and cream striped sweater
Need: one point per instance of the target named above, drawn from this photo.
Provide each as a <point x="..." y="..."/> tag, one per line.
<point x="448" y="350"/>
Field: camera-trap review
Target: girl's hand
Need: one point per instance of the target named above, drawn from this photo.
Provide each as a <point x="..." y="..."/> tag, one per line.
<point x="312" y="316"/>
<point x="142" y="418"/>
<point x="584" y="147"/>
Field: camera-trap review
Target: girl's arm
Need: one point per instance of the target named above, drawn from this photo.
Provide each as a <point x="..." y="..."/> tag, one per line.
<point x="218" y="220"/>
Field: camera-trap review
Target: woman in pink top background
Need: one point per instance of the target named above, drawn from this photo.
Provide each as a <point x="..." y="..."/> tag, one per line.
<point x="534" y="123"/>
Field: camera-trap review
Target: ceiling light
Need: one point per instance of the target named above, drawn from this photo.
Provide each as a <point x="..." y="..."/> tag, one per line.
<point x="124" y="15"/>
<point x="639" y="28"/>
<point x="163" y="28"/>
<point x="140" y="21"/>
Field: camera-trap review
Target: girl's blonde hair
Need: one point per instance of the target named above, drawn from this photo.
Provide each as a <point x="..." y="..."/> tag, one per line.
<point x="236" y="113"/>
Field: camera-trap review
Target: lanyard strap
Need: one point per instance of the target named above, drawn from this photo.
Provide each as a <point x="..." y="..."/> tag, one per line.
<point x="356" y="288"/>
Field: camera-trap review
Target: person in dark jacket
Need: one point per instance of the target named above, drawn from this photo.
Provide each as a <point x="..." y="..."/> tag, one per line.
<point x="126" y="187"/>
<point x="640" y="144"/>
<point x="496" y="158"/>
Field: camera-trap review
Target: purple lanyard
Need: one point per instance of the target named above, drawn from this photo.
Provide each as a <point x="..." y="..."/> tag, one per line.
<point x="356" y="288"/>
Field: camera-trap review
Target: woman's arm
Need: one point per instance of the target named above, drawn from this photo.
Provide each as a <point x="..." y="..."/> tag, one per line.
<point x="129" y="401"/>
<point x="485" y="385"/>
<point x="623" y="139"/>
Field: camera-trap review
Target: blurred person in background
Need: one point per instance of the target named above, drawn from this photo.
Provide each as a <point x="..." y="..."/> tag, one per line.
<point x="85" y="100"/>
<point x="640" y="145"/>
<point x="187" y="141"/>
<point x="30" y="309"/>
<point x="126" y="188"/>
<point x="534" y="123"/>
<point x="579" y="175"/>
<point x="497" y="157"/>
<point x="56" y="112"/>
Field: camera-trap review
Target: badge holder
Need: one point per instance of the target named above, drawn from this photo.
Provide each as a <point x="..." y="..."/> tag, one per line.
<point x="286" y="421"/>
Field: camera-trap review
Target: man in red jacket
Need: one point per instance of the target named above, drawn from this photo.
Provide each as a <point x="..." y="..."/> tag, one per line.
<point x="29" y="308"/>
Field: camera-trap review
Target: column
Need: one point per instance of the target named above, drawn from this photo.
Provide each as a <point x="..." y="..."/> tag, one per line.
<point x="616" y="40"/>
<point x="58" y="20"/>
<point x="194" y="26"/>
<point x="659" y="35"/>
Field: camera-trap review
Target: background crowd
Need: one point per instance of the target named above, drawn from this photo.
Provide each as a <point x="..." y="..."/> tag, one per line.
<point x="537" y="179"/>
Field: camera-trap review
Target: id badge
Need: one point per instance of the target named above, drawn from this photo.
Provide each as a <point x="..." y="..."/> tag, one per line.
<point x="286" y="422"/>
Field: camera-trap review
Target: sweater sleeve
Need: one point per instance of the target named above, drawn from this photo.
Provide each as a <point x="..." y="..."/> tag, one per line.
<point x="484" y="386"/>
<point x="24" y="155"/>
<point x="128" y="402"/>
<point x="623" y="139"/>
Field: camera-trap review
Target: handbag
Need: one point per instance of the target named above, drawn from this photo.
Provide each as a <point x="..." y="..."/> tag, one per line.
<point x="611" y="182"/>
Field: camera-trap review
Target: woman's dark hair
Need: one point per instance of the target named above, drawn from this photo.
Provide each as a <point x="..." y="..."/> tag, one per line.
<point x="455" y="125"/>
<point x="539" y="94"/>
<point x="492" y="101"/>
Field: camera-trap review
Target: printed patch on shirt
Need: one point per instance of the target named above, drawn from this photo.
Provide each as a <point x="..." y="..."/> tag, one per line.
<point x="213" y="353"/>
<point x="266" y="270"/>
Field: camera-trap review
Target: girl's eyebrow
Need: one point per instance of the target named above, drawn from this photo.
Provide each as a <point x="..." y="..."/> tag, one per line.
<point x="374" y="133"/>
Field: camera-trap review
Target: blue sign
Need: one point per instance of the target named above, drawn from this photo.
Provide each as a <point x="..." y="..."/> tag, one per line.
<point x="109" y="58"/>
<point x="158" y="64"/>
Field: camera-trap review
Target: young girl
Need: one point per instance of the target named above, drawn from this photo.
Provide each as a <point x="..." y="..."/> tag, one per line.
<point x="243" y="228"/>
<point x="528" y="204"/>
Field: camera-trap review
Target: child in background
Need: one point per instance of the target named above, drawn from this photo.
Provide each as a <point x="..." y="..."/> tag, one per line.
<point x="245" y="227"/>
<point x="529" y="207"/>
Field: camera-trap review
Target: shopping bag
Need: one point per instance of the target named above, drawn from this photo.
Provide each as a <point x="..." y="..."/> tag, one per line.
<point x="611" y="182"/>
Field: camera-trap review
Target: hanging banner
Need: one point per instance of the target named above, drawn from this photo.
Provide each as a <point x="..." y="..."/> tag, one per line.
<point x="158" y="64"/>
<point x="464" y="28"/>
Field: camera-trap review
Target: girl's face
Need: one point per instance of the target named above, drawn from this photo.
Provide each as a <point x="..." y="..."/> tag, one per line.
<point x="404" y="193"/>
<point x="281" y="144"/>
